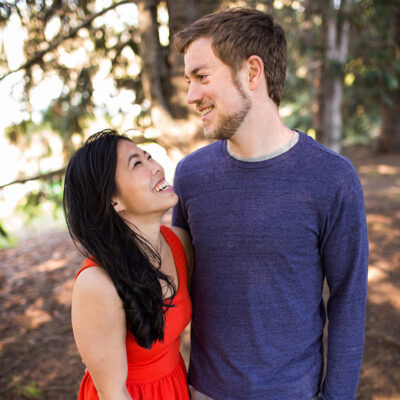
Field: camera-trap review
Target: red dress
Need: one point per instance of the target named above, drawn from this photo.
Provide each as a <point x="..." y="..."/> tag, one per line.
<point x="158" y="373"/>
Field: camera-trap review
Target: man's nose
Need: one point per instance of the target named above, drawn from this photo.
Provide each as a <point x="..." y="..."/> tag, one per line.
<point x="193" y="94"/>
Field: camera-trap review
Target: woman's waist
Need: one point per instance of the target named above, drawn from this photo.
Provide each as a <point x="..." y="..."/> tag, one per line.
<point x="144" y="370"/>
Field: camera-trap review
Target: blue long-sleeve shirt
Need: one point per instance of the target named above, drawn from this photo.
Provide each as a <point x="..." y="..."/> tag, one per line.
<point x="265" y="235"/>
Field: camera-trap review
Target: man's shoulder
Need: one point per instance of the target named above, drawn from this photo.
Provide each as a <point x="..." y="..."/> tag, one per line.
<point x="201" y="157"/>
<point x="326" y="161"/>
<point x="203" y="153"/>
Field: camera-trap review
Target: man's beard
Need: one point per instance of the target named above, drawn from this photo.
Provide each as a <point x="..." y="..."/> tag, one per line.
<point x="229" y="124"/>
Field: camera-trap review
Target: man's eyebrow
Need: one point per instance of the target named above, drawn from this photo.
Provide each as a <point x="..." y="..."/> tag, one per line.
<point x="194" y="71"/>
<point x="135" y="155"/>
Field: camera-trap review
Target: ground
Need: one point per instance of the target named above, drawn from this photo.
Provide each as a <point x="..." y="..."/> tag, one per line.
<point x="38" y="358"/>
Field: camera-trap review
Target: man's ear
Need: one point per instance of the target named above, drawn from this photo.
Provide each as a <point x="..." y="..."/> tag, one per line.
<point x="117" y="204"/>
<point x="255" y="71"/>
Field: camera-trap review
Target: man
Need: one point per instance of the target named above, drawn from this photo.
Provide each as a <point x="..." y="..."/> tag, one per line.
<point x="271" y="214"/>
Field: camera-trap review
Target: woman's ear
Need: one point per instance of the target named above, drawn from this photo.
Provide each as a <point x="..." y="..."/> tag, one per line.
<point x="117" y="204"/>
<point x="255" y="71"/>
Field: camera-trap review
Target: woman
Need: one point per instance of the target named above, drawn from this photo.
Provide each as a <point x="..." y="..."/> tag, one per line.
<point x="130" y="301"/>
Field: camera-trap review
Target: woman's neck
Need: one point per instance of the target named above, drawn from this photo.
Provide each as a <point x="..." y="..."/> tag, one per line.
<point x="146" y="226"/>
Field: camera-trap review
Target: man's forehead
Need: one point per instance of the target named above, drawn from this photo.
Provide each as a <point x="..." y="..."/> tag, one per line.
<point x="199" y="54"/>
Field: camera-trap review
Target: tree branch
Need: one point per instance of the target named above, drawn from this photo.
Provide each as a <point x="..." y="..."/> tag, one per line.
<point x="39" y="55"/>
<point x="47" y="175"/>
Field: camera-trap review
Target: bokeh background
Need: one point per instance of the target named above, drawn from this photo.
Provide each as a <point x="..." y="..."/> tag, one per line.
<point x="71" y="68"/>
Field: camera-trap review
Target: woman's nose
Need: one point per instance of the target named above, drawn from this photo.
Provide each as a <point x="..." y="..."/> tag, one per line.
<point x="156" y="168"/>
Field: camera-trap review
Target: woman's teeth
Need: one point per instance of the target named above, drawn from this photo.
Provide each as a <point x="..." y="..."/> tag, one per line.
<point x="162" y="186"/>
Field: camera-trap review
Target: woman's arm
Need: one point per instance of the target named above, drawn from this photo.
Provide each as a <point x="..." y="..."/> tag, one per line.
<point x="99" y="326"/>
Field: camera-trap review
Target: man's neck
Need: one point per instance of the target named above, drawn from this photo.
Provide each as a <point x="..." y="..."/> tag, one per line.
<point x="263" y="132"/>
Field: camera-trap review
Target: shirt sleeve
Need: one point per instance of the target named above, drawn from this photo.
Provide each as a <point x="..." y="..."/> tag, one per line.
<point x="344" y="255"/>
<point x="179" y="215"/>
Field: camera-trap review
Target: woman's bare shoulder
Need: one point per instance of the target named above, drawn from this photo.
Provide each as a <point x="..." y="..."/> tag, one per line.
<point x="186" y="241"/>
<point x="94" y="284"/>
<point x="183" y="236"/>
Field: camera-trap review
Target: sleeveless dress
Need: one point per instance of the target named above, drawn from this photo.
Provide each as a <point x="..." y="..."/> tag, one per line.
<point x="158" y="373"/>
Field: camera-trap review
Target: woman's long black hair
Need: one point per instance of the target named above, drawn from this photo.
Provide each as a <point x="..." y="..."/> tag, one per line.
<point x="100" y="233"/>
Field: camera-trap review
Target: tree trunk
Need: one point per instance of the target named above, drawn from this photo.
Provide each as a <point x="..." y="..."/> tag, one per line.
<point x="155" y="81"/>
<point x="337" y="25"/>
<point x="163" y="73"/>
<point x="389" y="139"/>
<point x="313" y="60"/>
<point x="181" y="14"/>
<point x="154" y="66"/>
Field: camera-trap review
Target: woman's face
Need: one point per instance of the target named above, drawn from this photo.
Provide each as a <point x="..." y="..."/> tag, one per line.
<point x="142" y="191"/>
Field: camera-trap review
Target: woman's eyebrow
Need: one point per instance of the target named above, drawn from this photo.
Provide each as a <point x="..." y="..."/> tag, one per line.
<point x="135" y="155"/>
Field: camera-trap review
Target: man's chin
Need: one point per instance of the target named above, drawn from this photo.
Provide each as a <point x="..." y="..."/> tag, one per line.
<point x="217" y="134"/>
<point x="210" y="133"/>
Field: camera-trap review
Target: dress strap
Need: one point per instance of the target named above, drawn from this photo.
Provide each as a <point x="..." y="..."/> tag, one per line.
<point x="174" y="243"/>
<point x="178" y="252"/>
<point x="89" y="262"/>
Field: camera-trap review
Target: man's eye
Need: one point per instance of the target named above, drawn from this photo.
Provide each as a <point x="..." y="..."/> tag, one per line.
<point x="202" y="77"/>
<point x="136" y="164"/>
<point x="149" y="157"/>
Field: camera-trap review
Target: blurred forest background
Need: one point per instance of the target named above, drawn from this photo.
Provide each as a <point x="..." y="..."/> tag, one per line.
<point x="71" y="68"/>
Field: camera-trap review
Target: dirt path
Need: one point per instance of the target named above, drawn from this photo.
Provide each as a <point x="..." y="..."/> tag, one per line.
<point x="38" y="359"/>
<point x="380" y="376"/>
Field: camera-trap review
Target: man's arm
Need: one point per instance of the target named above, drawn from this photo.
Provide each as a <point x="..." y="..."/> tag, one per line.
<point x="344" y="253"/>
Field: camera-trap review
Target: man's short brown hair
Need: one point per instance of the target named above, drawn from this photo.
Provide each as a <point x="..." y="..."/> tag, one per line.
<point x="238" y="33"/>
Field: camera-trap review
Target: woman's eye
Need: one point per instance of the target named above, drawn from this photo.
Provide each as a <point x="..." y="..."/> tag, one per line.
<point x="136" y="163"/>
<point x="149" y="157"/>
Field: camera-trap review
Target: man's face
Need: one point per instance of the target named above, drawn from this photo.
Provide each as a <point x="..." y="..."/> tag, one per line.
<point x="219" y="97"/>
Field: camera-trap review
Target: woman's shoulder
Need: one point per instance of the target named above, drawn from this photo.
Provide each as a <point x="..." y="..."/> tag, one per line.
<point x="92" y="274"/>
<point x="186" y="241"/>
<point x="94" y="284"/>
<point x="183" y="236"/>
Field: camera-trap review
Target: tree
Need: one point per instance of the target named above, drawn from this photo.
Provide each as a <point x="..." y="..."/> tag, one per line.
<point x="372" y="74"/>
<point x="389" y="139"/>
<point x="125" y="46"/>
<point x="163" y="70"/>
<point x="157" y="86"/>
<point x="122" y="47"/>
<point x="336" y="29"/>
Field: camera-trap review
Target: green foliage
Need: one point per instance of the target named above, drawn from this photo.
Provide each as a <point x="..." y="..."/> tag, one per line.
<point x="300" y="117"/>
<point x="5" y="12"/>
<point x="375" y="63"/>
<point x="70" y="113"/>
<point x="30" y="390"/>
<point x="48" y="198"/>
<point x="8" y="242"/>
<point x="20" y="134"/>
<point x="3" y="232"/>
